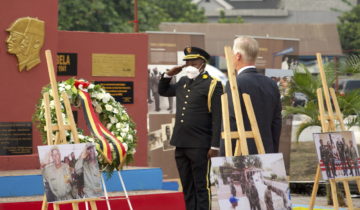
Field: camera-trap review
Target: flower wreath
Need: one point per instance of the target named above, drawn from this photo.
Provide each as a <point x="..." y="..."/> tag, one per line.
<point x="111" y="114"/>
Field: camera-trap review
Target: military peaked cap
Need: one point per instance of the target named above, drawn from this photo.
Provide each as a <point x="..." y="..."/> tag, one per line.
<point x="192" y="53"/>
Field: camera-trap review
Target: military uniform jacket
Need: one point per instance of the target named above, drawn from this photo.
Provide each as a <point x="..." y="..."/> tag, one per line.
<point x="198" y="110"/>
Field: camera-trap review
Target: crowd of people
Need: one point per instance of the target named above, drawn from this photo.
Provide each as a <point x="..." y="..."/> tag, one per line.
<point x="71" y="178"/>
<point x="339" y="159"/>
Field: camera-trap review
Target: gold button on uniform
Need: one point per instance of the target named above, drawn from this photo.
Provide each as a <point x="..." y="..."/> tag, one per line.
<point x="184" y="108"/>
<point x="188" y="90"/>
<point x="187" y="96"/>
<point x="185" y="102"/>
<point x="181" y="121"/>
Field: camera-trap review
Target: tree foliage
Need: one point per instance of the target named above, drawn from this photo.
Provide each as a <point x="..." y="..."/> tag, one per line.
<point x="303" y="81"/>
<point x="224" y="19"/>
<point x="117" y="15"/>
<point x="349" y="30"/>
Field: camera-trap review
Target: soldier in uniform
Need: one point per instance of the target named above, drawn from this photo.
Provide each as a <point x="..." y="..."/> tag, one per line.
<point x="348" y="158"/>
<point x="341" y="149"/>
<point x="57" y="175"/>
<point x="253" y="197"/>
<point x="332" y="158"/>
<point x="354" y="158"/>
<point x="268" y="198"/>
<point x="88" y="166"/>
<point x="197" y="128"/>
<point x="324" y="154"/>
<point x="154" y="79"/>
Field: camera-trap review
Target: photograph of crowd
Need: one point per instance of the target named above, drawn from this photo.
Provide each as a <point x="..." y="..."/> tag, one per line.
<point x="337" y="153"/>
<point x="70" y="171"/>
<point x="253" y="182"/>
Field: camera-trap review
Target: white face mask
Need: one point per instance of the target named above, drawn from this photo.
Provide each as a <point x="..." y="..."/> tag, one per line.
<point x="192" y="72"/>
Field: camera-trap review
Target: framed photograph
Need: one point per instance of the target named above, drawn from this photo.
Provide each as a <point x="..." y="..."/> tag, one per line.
<point x="251" y="182"/>
<point x="155" y="141"/>
<point x="337" y="154"/>
<point x="166" y="133"/>
<point x="70" y="172"/>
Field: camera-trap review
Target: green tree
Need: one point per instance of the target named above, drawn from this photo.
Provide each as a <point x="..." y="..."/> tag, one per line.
<point x="117" y="16"/>
<point x="224" y="19"/>
<point x="349" y="30"/>
<point x="303" y="81"/>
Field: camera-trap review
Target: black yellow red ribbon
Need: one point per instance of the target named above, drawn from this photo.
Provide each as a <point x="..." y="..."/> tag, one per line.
<point x="99" y="130"/>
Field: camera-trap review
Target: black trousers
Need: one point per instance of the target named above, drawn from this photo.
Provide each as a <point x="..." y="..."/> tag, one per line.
<point x="194" y="169"/>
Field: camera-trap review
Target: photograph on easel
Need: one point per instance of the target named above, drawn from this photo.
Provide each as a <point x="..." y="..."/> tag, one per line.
<point x="251" y="182"/>
<point x="337" y="154"/>
<point x="70" y="172"/>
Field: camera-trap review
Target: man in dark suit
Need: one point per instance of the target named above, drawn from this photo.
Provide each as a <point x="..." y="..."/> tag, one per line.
<point x="196" y="134"/>
<point x="264" y="94"/>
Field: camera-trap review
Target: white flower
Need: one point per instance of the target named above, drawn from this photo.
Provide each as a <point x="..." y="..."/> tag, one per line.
<point x="130" y="137"/>
<point x="125" y="146"/>
<point x="68" y="87"/>
<point x="126" y="128"/>
<point x="81" y="136"/>
<point x="113" y="119"/>
<point x="106" y="98"/>
<point x="108" y="107"/>
<point x="52" y="104"/>
<point x="99" y="96"/>
<point x="98" y="109"/>
<point x="91" y="139"/>
<point x="115" y="111"/>
<point x="108" y="126"/>
<point x="122" y="134"/>
<point x="91" y="86"/>
<point x="61" y="89"/>
<point x="118" y="125"/>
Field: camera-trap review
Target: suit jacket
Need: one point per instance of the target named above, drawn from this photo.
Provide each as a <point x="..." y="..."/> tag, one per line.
<point x="198" y="116"/>
<point x="265" y="98"/>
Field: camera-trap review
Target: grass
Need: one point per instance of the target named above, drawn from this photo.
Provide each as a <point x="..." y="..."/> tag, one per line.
<point x="303" y="161"/>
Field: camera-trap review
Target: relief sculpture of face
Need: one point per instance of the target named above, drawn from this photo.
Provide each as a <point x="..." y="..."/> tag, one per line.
<point x="25" y="40"/>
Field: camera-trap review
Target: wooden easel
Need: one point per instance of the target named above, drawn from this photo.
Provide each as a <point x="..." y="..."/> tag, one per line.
<point x="59" y="129"/>
<point x="240" y="135"/>
<point x="328" y="124"/>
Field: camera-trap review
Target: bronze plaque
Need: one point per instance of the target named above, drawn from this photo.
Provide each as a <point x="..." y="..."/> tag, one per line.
<point x="113" y="65"/>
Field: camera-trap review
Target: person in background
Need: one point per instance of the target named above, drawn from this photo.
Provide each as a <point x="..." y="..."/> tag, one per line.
<point x="264" y="94"/>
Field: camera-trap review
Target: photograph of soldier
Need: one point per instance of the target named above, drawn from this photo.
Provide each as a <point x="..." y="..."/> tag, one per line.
<point x="166" y="136"/>
<point x="70" y="171"/>
<point x="253" y="182"/>
<point x="337" y="153"/>
<point x="158" y="104"/>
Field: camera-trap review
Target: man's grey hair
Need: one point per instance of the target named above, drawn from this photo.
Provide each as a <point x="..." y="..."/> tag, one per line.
<point x="247" y="47"/>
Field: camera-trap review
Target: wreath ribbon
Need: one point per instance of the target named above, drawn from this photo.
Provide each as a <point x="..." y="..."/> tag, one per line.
<point x="99" y="130"/>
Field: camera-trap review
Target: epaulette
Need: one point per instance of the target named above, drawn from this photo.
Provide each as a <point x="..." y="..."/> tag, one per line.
<point x="213" y="83"/>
